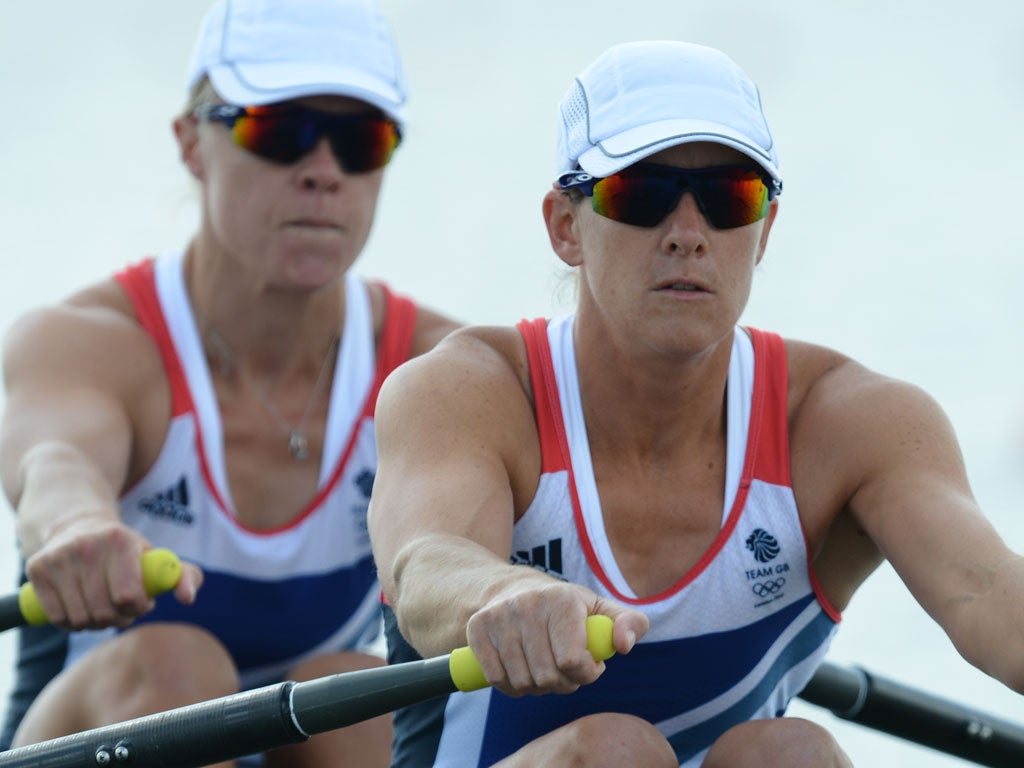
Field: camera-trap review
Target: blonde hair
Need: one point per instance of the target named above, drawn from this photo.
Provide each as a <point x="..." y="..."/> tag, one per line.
<point x="202" y="93"/>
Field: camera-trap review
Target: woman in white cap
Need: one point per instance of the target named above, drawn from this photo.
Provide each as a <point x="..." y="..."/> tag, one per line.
<point x="219" y="400"/>
<point x="717" y="491"/>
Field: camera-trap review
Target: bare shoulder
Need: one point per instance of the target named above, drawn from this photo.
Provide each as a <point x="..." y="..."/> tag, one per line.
<point x="857" y="434"/>
<point x="431" y="328"/>
<point x="474" y="363"/>
<point x="92" y="334"/>
<point x="828" y="386"/>
<point x="465" y="404"/>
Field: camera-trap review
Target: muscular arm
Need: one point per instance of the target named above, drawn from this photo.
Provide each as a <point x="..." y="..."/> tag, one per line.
<point x="458" y="456"/>
<point x="892" y="451"/>
<point x="72" y="377"/>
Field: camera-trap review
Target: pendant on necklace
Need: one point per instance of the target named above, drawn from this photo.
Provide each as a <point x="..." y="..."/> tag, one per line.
<point x="298" y="446"/>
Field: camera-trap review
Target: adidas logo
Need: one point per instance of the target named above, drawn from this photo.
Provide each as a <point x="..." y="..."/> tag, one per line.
<point x="170" y="505"/>
<point x="544" y="557"/>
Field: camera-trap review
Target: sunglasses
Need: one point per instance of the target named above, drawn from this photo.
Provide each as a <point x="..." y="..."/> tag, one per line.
<point x="644" y="194"/>
<point x="283" y="133"/>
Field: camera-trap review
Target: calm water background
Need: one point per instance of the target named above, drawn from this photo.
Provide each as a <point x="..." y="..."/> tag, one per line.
<point x="899" y="127"/>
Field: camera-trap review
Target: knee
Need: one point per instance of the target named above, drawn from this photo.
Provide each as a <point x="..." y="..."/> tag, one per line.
<point x="160" y="666"/>
<point x="148" y="669"/>
<point x="610" y="740"/>
<point x="785" y="742"/>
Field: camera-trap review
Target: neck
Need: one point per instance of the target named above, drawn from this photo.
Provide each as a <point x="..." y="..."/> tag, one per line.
<point x="647" y="404"/>
<point x="270" y="331"/>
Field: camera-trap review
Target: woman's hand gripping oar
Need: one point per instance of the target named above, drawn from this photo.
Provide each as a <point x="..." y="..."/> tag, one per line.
<point x="161" y="570"/>
<point x="274" y="716"/>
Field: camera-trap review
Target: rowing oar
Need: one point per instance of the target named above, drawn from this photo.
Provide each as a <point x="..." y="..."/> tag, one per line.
<point x="161" y="570"/>
<point x="274" y="716"/>
<point x="855" y="695"/>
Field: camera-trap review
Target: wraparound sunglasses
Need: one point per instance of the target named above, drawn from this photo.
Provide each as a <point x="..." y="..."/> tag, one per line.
<point x="644" y="194"/>
<point x="283" y="133"/>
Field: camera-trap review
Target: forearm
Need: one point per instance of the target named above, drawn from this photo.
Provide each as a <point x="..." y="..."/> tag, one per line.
<point x="438" y="582"/>
<point x="57" y="485"/>
<point x="991" y="634"/>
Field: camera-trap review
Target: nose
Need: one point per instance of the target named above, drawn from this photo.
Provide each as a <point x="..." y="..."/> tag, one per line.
<point x="319" y="170"/>
<point x="685" y="233"/>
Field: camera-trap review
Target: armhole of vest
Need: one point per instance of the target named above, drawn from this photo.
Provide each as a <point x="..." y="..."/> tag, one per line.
<point x="772" y="369"/>
<point x="546" y="403"/>
<point x="770" y="410"/>
<point x="139" y="283"/>
<point x="396" y="337"/>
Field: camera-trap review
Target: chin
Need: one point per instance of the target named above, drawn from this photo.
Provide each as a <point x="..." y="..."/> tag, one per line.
<point x="312" y="270"/>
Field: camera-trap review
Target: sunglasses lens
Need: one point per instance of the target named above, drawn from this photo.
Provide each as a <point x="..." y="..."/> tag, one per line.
<point x="274" y="134"/>
<point x="732" y="197"/>
<point x="636" y="198"/>
<point x="644" y="195"/>
<point x="359" y="142"/>
<point x="363" y="143"/>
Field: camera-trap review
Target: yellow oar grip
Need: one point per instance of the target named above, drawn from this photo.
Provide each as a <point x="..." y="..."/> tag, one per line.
<point x="468" y="676"/>
<point x="161" y="570"/>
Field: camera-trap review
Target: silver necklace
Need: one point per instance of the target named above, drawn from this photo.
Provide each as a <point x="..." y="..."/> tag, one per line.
<point x="298" y="443"/>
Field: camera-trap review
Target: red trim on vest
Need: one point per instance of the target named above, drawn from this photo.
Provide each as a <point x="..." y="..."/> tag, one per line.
<point x="554" y="446"/>
<point x="770" y="368"/>
<point x="139" y="283"/>
<point x="555" y="455"/>
<point x="773" y="461"/>
<point x="765" y="392"/>
<point x="396" y="339"/>
<point x="393" y="349"/>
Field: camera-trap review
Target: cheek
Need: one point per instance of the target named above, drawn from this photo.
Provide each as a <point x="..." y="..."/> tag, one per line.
<point x="236" y="203"/>
<point x="360" y="204"/>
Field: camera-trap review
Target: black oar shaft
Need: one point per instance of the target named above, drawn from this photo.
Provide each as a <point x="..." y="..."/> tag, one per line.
<point x="10" y="612"/>
<point x="243" y="723"/>
<point x="201" y="734"/>
<point x="324" y="704"/>
<point x="914" y="715"/>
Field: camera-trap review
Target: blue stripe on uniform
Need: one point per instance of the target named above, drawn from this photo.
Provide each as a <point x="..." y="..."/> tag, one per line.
<point x="266" y="622"/>
<point x="694" y="740"/>
<point x="660" y="681"/>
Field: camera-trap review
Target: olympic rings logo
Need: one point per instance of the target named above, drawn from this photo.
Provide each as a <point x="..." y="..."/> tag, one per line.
<point x="765" y="588"/>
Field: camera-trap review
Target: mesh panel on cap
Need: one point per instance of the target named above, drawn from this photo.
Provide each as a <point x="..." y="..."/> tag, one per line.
<point x="574" y="117"/>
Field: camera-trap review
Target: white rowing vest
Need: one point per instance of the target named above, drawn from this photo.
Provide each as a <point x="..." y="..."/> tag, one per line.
<point x="735" y="639"/>
<point x="272" y="597"/>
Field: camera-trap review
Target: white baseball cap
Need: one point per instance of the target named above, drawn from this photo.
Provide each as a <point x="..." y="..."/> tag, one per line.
<point x="263" y="51"/>
<point x="639" y="98"/>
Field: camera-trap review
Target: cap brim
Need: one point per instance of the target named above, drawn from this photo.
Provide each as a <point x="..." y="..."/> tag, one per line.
<point x="611" y="155"/>
<point x="258" y="84"/>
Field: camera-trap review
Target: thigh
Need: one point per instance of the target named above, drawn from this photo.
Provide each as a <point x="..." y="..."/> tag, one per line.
<point x="785" y="742"/>
<point x="608" y="740"/>
<point x="143" y="670"/>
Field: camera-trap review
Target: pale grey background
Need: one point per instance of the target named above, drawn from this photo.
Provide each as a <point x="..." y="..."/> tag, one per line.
<point x="898" y="125"/>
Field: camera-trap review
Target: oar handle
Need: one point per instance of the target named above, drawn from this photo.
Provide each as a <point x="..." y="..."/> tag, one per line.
<point x="468" y="676"/>
<point x="161" y="570"/>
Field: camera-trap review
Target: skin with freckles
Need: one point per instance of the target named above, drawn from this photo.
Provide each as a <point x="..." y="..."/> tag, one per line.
<point x="876" y="472"/>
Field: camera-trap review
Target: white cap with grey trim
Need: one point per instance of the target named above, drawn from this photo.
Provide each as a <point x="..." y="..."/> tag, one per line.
<point x="258" y="52"/>
<point x="640" y="98"/>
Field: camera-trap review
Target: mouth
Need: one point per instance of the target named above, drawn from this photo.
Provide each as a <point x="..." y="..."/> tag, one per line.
<point x="312" y="223"/>
<point x="683" y="286"/>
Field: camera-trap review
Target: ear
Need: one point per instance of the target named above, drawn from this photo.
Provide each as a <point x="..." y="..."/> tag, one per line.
<point x="561" y="216"/>
<point x="186" y="131"/>
<point x="773" y="209"/>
